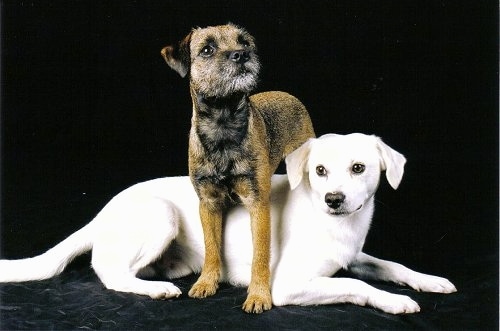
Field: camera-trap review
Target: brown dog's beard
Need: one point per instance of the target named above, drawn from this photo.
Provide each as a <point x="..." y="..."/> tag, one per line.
<point x="225" y="78"/>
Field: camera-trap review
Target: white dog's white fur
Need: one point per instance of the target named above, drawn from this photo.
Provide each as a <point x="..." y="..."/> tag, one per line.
<point x="320" y="218"/>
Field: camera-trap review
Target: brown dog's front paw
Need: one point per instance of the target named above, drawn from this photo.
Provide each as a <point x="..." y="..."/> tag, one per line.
<point x="202" y="289"/>
<point x="257" y="303"/>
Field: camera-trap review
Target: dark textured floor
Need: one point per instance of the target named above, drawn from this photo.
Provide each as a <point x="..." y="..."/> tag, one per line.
<point x="77" y="300"/>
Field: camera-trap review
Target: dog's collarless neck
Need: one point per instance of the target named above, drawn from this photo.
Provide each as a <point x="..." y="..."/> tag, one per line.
<point x="236" y="101"/>
<point x="222" y="123"/>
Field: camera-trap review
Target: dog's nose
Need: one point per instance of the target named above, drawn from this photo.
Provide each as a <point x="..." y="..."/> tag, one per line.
<point x="334" y="200"/>
<point x="239" y="56"/>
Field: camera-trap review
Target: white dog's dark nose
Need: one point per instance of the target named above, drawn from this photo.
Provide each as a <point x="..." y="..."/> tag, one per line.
<point x="334" y="200"/>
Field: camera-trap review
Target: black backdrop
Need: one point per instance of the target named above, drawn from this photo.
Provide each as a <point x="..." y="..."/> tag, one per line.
<point x="89" y="107"/>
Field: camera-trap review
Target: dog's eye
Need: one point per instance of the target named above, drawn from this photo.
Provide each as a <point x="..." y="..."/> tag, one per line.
<point x="320" y="170"/>
<point x="358" y="168"/>
<point x="207" y="51"/>
<point x="243" y="41"/>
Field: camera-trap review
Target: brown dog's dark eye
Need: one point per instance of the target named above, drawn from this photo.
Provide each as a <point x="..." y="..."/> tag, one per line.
<point x="358" y="168"/>
<point x="207" y="51"/>
<point x="243" y="41"/>
<point x="320" y="170"/>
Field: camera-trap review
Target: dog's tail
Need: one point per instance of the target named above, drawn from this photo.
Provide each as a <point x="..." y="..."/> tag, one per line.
<point x="50" y="263"/>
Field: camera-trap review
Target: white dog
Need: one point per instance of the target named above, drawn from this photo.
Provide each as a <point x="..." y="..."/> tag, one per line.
<point x="320" y="218"/>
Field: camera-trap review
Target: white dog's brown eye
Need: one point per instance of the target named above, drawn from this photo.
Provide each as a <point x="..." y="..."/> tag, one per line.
<point x="320" y="170"/>
<point x="207" y="51"/>
<point x="358" y="168"/>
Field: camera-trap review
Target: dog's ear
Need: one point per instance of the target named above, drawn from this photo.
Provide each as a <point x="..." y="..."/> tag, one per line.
<point x="178" y="57"/>
<point x="392" y="162"/>
<point x="296" y="163"/>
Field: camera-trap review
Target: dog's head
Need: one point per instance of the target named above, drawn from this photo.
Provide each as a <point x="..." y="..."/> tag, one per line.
<point x="221" y="60"/>
<point x="343" y="172"/>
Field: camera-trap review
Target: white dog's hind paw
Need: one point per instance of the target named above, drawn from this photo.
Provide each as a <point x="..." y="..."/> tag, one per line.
<point x="163" y="290"/>
<point x="429" y="283"/>
<point x="395" y="304"/>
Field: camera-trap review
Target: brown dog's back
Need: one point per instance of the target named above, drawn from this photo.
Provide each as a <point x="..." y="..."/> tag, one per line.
<point x="287" y="122"/>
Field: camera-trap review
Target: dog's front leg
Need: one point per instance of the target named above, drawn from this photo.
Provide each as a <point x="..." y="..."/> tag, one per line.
<point x="369" y="267"/>
<point x="326" y="290"/>
<point x="211" y="220"/>
<point x="259" y="291"/>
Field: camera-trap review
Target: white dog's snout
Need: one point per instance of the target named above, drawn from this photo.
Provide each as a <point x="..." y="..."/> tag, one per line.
<point x="334" y="200"/>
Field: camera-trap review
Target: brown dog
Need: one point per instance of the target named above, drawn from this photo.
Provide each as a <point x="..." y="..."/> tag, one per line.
<point x="236" y="143"/>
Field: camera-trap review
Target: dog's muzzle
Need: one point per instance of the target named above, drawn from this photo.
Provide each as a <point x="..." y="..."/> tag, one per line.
<point x="334" y="200"/>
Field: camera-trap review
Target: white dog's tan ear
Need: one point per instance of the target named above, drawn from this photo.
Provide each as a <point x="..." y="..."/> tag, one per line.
<point x="392" y="162"/>
<point x="296" y="163"/>
<point x="178" y="57"/>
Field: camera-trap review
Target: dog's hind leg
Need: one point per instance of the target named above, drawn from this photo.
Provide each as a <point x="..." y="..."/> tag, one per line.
<point x="128" y="282"/>
<point x="131" y="239"/>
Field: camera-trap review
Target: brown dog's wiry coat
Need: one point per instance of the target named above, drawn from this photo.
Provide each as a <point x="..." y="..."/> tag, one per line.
<point x="236" y="143"/>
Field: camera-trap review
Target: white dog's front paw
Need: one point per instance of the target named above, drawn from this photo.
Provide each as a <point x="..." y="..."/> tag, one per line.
<point x="395" y="304"/>
<point x="429" y="283"/>
<point x="163" y="290"/>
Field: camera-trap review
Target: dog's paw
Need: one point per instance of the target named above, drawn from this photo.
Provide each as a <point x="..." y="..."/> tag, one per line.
<point x="395" y="304"/>
<point x="429" y="283"/>
<point x="163" y="290"/>
<point x="202" y="289"/>
<point x="257" y="304"/>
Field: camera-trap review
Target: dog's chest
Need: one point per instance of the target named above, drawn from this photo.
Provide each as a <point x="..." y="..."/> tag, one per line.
<point x="222" y="129"/>
<point x="224" y="151"/>
<point x="330" y="244"/>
